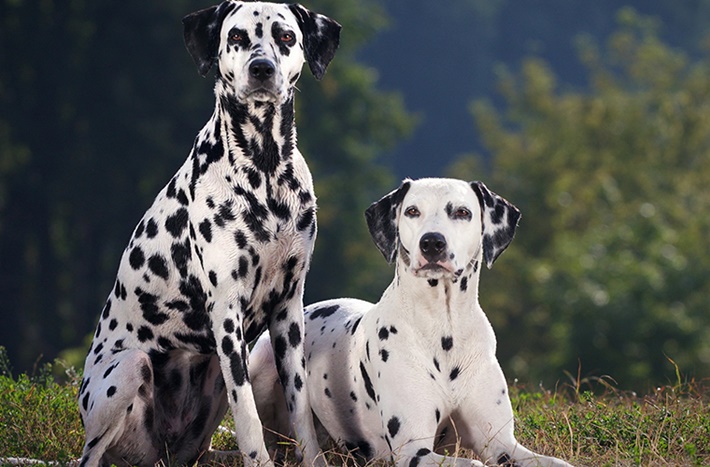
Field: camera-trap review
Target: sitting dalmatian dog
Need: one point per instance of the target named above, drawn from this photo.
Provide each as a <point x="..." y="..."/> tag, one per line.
<point x="417" y="370"/>
<point x="219" y="257"/>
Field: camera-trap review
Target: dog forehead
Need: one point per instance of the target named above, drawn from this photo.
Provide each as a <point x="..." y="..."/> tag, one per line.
<point x="439" y="192"/>
<point x="249" y="14"/>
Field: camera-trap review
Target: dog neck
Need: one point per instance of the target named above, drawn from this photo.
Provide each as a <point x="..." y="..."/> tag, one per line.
<point x="262" y="132"/>
<point x="448" y="293"/>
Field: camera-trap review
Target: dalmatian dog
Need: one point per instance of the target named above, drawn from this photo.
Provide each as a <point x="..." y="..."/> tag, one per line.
<point x="417" y="371"/>
<point x="219" y="257"/>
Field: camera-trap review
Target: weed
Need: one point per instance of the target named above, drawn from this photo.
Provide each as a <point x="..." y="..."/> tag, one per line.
<point x="587" y="422"/>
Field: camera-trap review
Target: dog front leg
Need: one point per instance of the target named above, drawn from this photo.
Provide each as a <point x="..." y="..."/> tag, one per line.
<point x="233" y="361"/>
<point x="486" y="424"/>
<point x="287" y="335"/>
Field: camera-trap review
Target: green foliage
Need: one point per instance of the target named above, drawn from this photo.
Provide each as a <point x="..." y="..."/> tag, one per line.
<point x="611" y="264"/>
<point x="39" y="418"/>
<point x="671" y="426"/>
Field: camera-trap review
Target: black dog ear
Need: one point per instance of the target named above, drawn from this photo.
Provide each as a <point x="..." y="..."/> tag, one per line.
<point x="381" y="221"/>
<point x="499" y="218"/>
<point x="321" y="37"/>
<point x="201" y="34"/>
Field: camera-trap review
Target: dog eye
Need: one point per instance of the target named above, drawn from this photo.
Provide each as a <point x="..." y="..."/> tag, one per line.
<point x="287" y="38"/>
<point x="462" y="213"/>
<point x="236" y="37"/>
<point x="412" y="212"/>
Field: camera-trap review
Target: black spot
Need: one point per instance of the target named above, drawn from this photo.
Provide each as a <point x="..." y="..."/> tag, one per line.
<point x="437" y="414"/>
<point x="236" y="365"/>
<point x="180" y="254"/>
<point x="297" y="382"/>
<point x="327" y="393"/>
<point x="464" y="284"/>
<point x="112" y="325"/>
<point x="423" y="452"/>
<point x="158" y="266"/>
<point x="213" y="278"/>
<point x="414" y="462"/>
<point x="205" y="228"/>
<point x="111" y="391"/>
<point x="384" y="354"/>
<point x="182" y="197"/>
<point x="179" y="305"/>
<point x="368" y="383"/>
<point x="85" y="401"/>
<point x="281" y="315"/>
<point x="393" y="426"/>
<point x="227" y="345"/>
<point x="241" y="239"/>
<point x="136" y="259"/>
<point x="243" y="267"/>
<point x="139" y="229"/>
<point x="383" y="334"/>
<point x="436" y="364"/>
<point x="353" y="396"/>
<point x="355" y="325"/>
<point x="107" y="309"/>
<point x="144" y="333"/>
<point x="454" y="373"/>
<point x="433" y="282"/>
<point x="176" y="223"/>
<point x="253" y="453"/>
<point x="306" y="219"/>
<point x="228" y="325"/>
<point x="151" y="229"/>
<point x="294" y="335"/>
<point x="324" y="312"/>
<point x="98" y="349"/>
<point x="447" y="343"/>
<point x="151" y="311"/>
<point x="280" y="347"/>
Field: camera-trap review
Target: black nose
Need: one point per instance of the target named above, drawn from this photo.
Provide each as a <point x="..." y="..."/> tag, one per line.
<point x="261" y="69"/>
<point x="432" y="245"/>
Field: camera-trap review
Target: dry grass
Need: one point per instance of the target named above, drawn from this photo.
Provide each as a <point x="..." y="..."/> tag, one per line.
<point x="669" y="427"/>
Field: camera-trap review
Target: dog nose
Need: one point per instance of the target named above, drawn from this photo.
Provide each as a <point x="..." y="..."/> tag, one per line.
<point x="261" y="69"/>
<point x="432" y="245"/>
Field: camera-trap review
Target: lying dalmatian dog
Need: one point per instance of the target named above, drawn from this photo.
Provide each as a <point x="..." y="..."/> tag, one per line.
<point x="220" y="256"/>
<point x="418" y="369"/>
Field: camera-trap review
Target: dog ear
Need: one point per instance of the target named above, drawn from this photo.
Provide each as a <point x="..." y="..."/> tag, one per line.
<point x="499" y="218"/>
<point x="321" y="37"/>
<point x="381" y="221"/>
<point x="201" y="34"/>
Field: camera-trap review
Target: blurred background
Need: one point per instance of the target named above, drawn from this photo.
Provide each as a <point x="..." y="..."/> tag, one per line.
<point x="592" y="117"/>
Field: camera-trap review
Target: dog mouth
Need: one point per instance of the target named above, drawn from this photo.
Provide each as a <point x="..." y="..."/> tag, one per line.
<point x="435" y="269"/>
<point x="260" y="94"/>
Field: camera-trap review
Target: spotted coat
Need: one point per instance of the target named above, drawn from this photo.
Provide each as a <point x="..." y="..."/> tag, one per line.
<point x="409" y="377"/>
<point x="219" y="257"/>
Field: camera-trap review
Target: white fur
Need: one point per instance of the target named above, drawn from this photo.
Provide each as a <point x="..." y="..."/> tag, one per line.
<point x="427" y="347"/>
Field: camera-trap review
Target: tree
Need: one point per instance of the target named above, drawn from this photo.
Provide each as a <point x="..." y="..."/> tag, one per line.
<point x="611" y="264"/>
<point x="100" y="105"/>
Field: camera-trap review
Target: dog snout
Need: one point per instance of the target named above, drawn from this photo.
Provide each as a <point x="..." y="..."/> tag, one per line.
<point x="433" y="246"/>
<point x="262" y="69"/>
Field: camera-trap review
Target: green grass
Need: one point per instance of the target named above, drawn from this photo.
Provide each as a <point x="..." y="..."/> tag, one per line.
<point x="670" y="427"/>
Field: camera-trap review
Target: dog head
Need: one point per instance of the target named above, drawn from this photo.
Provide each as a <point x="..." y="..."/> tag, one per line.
<point x="439" y="226"/>
<point x="260" y="47"/>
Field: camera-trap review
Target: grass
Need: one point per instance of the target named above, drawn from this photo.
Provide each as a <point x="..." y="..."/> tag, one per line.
<point x="669" y="427"/>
